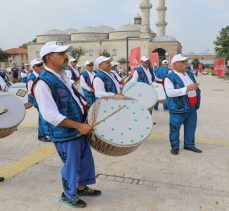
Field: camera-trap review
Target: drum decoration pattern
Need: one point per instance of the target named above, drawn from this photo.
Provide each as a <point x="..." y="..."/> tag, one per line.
<point x="20" y="90"/>
<point x="160" y="92"/>
<point x="142" y="92"/>
<point x="123" y="132"/>
<point x="13" y="115"/>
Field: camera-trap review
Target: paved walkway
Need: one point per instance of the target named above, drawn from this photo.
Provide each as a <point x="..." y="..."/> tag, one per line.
<point x="149" y="179"/>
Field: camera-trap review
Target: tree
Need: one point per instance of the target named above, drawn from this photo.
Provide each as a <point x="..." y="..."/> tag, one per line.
<point x="3" y="56"/>
<point x="78" y="52"/>
<point x="222" y="44"/>
<point x="195" y="63"/>
<point x="25" y="45"/>
<point x="105" y="53"/>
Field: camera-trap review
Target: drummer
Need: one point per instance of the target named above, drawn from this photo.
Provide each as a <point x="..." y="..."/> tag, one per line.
<point x="144" y="73"/>
<point x="37" y="67"/>
<point x="105" y="83"/>
<point x="114" y="66"/>
<point x="25" y="72"/>
<point x="65" y="114"/>
<point x="86" y="82"/>
<point x="72" y="70"/>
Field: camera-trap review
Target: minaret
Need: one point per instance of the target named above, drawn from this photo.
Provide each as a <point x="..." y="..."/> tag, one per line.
<point x="145" y="7"/>
<point x="161" y="24"/>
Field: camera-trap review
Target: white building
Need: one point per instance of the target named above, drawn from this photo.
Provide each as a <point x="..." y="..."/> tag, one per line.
<point x="116" y="41"/>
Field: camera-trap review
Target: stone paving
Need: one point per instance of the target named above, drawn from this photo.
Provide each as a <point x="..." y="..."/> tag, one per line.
<point x="149" y="179"/>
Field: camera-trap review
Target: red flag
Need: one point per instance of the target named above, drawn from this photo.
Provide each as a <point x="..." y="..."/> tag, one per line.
<point x="219" y="67"/>
<point x="135" y="56"/>
<point x="154" y="59"/>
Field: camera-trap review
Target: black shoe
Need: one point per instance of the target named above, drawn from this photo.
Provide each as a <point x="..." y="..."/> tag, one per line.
<point x="44" y="139"/>
<point x="76" y="203"/>
<point x="2" y="179"/>
<point x="174" y="151"/>
<point x="89" y="192"/>
<point x="194" y="149"/>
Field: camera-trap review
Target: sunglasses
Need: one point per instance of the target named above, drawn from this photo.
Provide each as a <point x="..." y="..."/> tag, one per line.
<point x="39" y="65"/>
<point x="90" y="65"/>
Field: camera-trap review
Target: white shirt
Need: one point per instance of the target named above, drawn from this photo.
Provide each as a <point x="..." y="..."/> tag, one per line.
<point x="30" y="83"/>
<point x="83" y="83"/>
<point x="3" y="84"/>
<point x="147" y="72"/>
<point x="23" y="75"/>
<point x="47" y="105"/>
<point x="100" y="89"/>
<point x="172" y="92"/>
<point x="117" y="75"/>
<point x="69" y="72"/>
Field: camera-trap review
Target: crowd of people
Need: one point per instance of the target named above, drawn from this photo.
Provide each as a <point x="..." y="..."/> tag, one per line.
<point x="62" y="109"/>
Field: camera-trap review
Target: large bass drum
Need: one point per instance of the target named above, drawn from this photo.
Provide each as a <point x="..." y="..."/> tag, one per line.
<point x="12" y="113"/>
<point x="142" y="92"/>
<point x="160" y="92"/>
<point x="123" y="132"/>
<point x="20" y="90"/>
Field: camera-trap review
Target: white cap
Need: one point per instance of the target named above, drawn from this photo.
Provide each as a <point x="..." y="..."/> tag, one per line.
<point x="178" y="58"/>
<point x="101" y="59"/>
<point x="54" y="47"/>
<point x="144" y="58"/>
<point x="72" y="59"/>
<point x="165" y="62"/>
<point x="87" y="63"/>
<point x="26" y="64"/>
<point x="114" y="63"/>
<point x="34" y="62"/>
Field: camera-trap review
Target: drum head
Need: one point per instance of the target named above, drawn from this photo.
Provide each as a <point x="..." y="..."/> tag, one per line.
<point x="129" y="126"/>
<point x="160" y="91"/>
<point x="16" y="111"/>
<point x="19" y="90"/>
<point x="142" y="92"/>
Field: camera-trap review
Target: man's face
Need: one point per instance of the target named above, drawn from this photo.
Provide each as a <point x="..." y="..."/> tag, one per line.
<point x="145" y="64"/>
<point x="27" y="67"/>
<point x="74" y="63"/>
<point x="90" y="67"/>
<point x="114" y="67"/>
<point x="38" y="68"/>
<point x="180" y="66"/>
<point x="57" y="60"/>
<point x="106" y="66"/>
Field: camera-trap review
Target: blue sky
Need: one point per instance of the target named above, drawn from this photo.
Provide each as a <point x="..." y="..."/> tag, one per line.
<point x="195" y="23"/>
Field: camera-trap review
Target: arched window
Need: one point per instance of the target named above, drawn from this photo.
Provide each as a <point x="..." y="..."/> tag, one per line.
<point x="114" y="52"/>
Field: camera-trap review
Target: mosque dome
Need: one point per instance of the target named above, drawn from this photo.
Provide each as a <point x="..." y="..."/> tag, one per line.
<point x="89" y="29"/>
<point x="105" y="29"/>
<point x="164" y="38"/>
<point x="129" y="27"/>
<point x="71" y="31"/>
<point x="53" y="34"/>
<point x="89" y="33"/>
<point x="53" y="31"/>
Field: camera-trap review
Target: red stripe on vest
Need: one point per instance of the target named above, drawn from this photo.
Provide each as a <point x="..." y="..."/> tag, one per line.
<point x="192" y="101"/>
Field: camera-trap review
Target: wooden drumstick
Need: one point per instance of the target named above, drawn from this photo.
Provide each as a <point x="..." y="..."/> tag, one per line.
<point x="104" y="119"/>
<point x="5" y="110"/>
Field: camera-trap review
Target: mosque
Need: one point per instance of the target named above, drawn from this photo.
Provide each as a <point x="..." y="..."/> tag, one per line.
<point x="118" y="42"/>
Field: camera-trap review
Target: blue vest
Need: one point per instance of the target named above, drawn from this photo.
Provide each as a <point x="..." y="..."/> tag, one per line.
<point x="180" y="104"/>
<point x="88" y="82"/>
<point x="74" y="77"/>
<point x="161" y="72"/>
<point x="31" y="99"/>
<point x="109" y="84"/>
<point x="142" y="77"/>
<point x="66" y="105"/>
<point x="23" y="80"/>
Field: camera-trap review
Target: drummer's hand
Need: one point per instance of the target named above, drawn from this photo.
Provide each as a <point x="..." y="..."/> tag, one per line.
<point x="91" y="90"/>
<point x="192" y="87"/>
<point x="85" y="128"/>
<point x="119" y="95"/>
